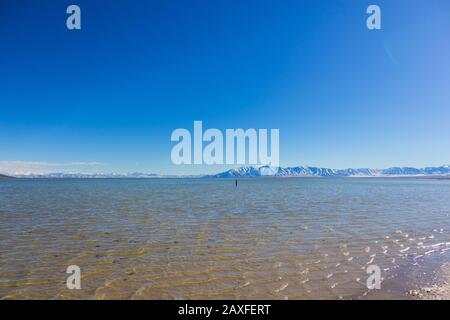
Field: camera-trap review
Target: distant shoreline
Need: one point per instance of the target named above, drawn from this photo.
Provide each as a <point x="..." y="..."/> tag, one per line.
<point x="442" y="172"/>
<point x="5" y="177"/>
<point x="2" y="176"/>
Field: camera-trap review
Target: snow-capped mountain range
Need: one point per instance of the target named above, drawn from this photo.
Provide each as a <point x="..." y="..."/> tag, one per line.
<point x="305" y="171"/>
<point x="265" y="171"/>
<point x="57" y="175"/>
<point x="79" y="175"/>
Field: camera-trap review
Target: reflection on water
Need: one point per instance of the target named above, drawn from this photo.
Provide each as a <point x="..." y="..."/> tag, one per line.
<point x="204" y="238"/>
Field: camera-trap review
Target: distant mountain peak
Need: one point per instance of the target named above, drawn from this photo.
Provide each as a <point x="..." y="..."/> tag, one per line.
<point x="266" y="171"/>
<point x="308" y="171"/>
<point x="87" y="175"/>
<point x="2" y="176"/>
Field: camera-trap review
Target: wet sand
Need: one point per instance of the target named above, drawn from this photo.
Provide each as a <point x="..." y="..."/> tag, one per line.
<point x="437" y="289"/>
<point x="424" y="280"/>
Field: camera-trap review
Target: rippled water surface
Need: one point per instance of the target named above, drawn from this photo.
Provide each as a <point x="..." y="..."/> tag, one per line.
<point x="204" y="238"/>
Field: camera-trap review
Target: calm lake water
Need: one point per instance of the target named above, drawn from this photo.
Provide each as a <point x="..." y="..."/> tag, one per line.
<point x="205" y="239"/>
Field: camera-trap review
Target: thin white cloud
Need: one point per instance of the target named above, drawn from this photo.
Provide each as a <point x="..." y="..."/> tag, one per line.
<point x="36" y="167"/>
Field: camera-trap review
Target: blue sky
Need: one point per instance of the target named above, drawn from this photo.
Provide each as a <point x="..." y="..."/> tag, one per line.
<point x="106" y="98"/>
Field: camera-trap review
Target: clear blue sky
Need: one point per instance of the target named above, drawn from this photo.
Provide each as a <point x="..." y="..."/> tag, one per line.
<point x="111" y="93"/>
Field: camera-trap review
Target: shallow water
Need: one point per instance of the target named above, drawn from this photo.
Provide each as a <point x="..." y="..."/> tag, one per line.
<point x="203" y="238"/>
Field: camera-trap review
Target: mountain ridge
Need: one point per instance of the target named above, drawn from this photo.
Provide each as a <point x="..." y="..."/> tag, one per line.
<point x="307" y="171"/>
<point x="259" y="171"/>
<point x="3" y="176"/>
